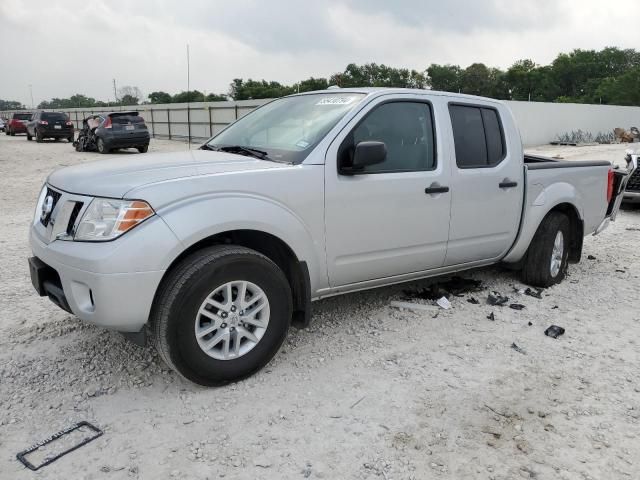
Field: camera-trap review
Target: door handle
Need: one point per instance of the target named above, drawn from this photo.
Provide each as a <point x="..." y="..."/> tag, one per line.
<point x="506" y="183"/>
<point x="435" y="188"/>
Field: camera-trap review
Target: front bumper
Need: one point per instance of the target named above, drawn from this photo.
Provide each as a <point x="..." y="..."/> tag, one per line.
<point x="631" y="197"/>
<point x="110" y="284"/>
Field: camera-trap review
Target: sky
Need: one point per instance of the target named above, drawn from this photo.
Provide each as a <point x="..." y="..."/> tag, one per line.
<point x="66" y="47"/>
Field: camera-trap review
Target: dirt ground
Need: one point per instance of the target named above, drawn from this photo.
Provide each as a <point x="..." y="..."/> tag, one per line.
<point x="368" y="392"/>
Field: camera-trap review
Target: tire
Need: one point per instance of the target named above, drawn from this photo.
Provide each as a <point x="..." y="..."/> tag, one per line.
<point x="29" y="137"/>
<point x="12" y="133"/>
<point x="143" y="148"/>
<point x="102" y="148"/>
<point x="539" y="269"/>
<point x="70" y="139"/>
<point x="56" y="139"/>
<point x="175" y="314"/>
<point x="38" y="137"/>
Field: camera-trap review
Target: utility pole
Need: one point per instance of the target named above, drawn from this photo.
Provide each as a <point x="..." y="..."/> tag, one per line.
<point x="31" y="92"/>
<point x="188" y="100"/>
<point x="115" y="94"/>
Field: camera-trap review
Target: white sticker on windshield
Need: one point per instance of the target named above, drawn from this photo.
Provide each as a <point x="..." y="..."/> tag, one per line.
<point x="336" y="101"/>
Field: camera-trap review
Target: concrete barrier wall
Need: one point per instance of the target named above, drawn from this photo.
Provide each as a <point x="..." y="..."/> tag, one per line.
<point x="539" y="123"/>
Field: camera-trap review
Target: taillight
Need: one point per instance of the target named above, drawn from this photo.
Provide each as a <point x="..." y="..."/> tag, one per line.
<point x="43" y="122"/>
<point x="107" y="123"/>
<point x="610" y="185"/>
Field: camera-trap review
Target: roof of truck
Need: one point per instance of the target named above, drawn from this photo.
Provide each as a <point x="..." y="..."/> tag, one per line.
<point x="375" y="91"/>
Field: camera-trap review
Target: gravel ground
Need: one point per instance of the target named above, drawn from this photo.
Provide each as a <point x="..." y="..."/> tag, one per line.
<point x="368" y="392"/>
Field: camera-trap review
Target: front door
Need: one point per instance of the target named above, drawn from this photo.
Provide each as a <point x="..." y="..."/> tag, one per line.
<point x="382" y="221"/>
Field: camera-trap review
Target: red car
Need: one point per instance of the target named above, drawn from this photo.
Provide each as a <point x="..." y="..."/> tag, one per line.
<point x="18" y="123"/>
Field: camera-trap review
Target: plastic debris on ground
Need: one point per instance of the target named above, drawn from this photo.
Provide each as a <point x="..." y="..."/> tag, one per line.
<point x="537" y="293"/>
<point x="554" y="331"/>
<point x="518" y="349"/>
<point x="516" y="306"/>
<point x="444" y="303"/>
<point x="473" y="301"/>
<point x="496" y="298"/>
<point x="491" y="317"/>
<point x="591" y="257"/>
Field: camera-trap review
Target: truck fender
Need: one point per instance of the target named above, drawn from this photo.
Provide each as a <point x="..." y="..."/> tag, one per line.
<point x="195" y="220"/>
<point x="561" y="195"/>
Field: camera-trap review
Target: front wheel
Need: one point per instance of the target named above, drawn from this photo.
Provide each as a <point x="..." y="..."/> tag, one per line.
<point x="221" y="315"/>
<point x="548" y="255"/>
<point x="143" y="149"/>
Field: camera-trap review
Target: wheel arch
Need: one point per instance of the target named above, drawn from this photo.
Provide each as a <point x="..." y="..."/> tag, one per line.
<point x="274" y="248"/>
<point x="519" y="251"/>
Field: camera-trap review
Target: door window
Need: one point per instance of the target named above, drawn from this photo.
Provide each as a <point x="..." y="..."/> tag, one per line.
<point x="407" y="130"/>
<point x="478" y="136"/>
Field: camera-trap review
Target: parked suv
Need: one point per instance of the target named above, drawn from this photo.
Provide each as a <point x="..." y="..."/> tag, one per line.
<point x="121" y="130"/>
<point x="18" y="122"/>
<point x="54" y="125"/>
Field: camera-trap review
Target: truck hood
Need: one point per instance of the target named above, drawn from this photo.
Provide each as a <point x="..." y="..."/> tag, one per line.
<point x="115" y="177"/>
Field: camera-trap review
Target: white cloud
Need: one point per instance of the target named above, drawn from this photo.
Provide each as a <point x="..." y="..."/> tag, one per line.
<point x="79" y="47"/>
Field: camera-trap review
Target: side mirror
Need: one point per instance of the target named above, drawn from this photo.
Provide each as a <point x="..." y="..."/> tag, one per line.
<point x="365" y="154"/>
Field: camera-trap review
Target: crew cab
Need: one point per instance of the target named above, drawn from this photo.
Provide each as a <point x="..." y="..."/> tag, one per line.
<point x="215" y="252"/>
<point x="17" y="123"/>
<point x="54" y="125"/>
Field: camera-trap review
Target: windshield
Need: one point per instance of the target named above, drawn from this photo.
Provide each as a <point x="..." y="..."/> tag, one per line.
<point x="287" y="129"/>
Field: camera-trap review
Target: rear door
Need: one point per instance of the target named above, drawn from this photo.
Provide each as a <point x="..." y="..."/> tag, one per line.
<point x="383" y="222"/>
<point x="487" y="179"/>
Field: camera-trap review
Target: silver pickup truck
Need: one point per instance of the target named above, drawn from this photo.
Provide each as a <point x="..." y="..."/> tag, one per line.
<point x="215" y="252"/>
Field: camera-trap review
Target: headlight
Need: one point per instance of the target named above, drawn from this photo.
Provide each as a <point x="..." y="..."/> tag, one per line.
<point x="106" y="218"/>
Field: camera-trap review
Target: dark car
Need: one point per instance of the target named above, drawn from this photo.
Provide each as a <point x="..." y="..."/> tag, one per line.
<point x="121" y="130"/>
<point x="54" y="125"/>
<point x="17" y="124"/>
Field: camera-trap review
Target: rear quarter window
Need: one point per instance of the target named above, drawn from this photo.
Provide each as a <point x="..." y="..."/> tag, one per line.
<point x="22" y="116"/>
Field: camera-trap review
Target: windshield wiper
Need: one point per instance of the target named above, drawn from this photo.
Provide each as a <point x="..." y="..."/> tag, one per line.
<point x="241" y="150"/>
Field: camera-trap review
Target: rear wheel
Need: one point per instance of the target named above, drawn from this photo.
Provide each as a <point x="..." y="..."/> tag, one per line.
<point x="38" y="137"/>
<point x="29" y="137"/>
<point x="56" y="139"/>
<point x="221" y="315"/>
<point x="548" y="255"/>
<point x="143" y="148"/>
<point x="102" y="148"/>
<point x="70" y="139"/>
<point x="12" y="133"/>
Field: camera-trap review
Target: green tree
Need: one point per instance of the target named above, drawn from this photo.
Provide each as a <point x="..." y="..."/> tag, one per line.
<point x="623" y="90"/>
<point x="159" y="97"/>
<point x="445" y="78"/>
<point x="185" y="97"/>
<point x="374" y="75"/>
<point x="311" y="84"/>
<point x="253" y="89"/>
<point x="215" y="97"/>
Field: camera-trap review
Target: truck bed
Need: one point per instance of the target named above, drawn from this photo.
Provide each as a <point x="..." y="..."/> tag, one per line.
<point x="537" y="162"/>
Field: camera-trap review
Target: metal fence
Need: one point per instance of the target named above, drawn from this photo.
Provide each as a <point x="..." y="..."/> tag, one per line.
<point x="174" y="121"/>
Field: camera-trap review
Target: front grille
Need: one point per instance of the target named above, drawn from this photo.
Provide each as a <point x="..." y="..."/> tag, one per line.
<point x="55" y="196"/>
<point x="74" y="216"/>
<point x="634" y="182"/>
